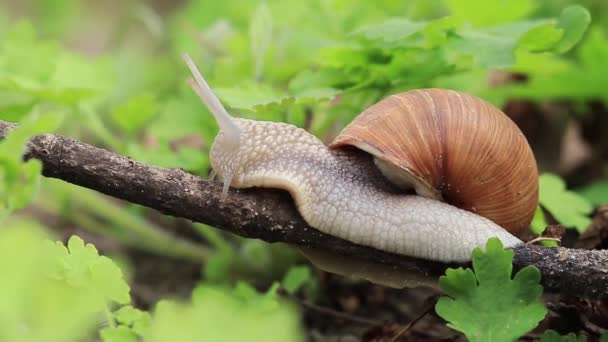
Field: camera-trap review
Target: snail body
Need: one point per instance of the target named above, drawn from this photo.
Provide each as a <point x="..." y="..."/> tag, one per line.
<point x="453" y="147"/>
<point x="342" y="191"/>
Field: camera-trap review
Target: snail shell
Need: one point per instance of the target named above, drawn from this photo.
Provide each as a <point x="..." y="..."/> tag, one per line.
<point x="453" y="147"/>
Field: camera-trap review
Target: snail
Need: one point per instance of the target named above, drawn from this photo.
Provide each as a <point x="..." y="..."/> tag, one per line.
<point x="473" y="172"/>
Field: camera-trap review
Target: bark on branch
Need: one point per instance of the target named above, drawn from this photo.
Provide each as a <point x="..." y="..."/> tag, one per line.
<point x="270" y="214"/>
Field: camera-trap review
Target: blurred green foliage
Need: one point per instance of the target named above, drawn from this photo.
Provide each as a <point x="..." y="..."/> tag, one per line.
<point x="53" y="294"/>
<point x="60" y="293"/>
<point x="554" y="336"/>
<point x="114" y="77"/>
<point x="20" y="180"/>
<point x="214" y="311"/>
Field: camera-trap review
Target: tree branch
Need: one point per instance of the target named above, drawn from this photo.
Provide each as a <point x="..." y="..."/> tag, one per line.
<point x="270" y="215"/>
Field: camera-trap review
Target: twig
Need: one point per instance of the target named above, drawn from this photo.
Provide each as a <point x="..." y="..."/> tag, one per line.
<point x="430" y="303"/>
<point x="542" y="238"/>
<point x="271" y="216"/>
<point x="338" y="314"/>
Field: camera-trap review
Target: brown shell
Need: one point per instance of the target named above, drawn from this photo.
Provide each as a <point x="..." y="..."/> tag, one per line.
<point x="456" y="146"/>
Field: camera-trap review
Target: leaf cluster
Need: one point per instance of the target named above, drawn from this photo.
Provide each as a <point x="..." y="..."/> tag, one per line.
<point x="62" y="292"/>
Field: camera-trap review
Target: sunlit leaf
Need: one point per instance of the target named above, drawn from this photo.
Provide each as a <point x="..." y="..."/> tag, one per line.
<point x="568" y="208"/>
<point x="471" y="304"/>
<point x="574" y="20"/>
<point x="81" y="266"/>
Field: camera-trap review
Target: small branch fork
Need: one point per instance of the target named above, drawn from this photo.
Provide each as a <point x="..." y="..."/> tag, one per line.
<point x="270" y="215"/>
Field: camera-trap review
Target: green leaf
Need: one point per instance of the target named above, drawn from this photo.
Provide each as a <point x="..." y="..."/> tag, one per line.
<point x="128" y="315"/>
<point x="56" y="17"/>
<point x="391" y="30"/>
<point x="108" y="280"/>
<point x="295" y="278"/>
<point x="263" y="99"/>
<point x="216" y="311"/>
<point x="471" y="305"/>
<point x="183" y="118"/>
<point x="78" y="75"/>
<point x="81" y="267"/>
<point x="596" y="193"/>
<point x="135" y="319"/>
<point x="33" y="70"/>
<point x="487" y="13"/>
<point x="218" y="266"/>
<point x="132" y="115"/>
<point x="400" y="54"/>
<point x="193" y="119"/>
<point x="256" y="254"/>
<point x="593" y="52"/>
<point x="311" y="80"/>
<point x="552" y="78"/>
<point x="554" y="336"/>
<point x="19" y="181"/>
<point x="24" y="55"/>
<point x="437" y="32"/>
<point x="541" y="38"/>
<point x="23" y="192"/>
<point x="495" y="47"/>
<point x="35" y="92"/>
<point x="539" y="223"/>
<point x="118" y="334"/>
<point x="574" y="21"/>
<point x="568" y="208"/>
<point x="39" y="307"/>
<point x="252" y="96"/>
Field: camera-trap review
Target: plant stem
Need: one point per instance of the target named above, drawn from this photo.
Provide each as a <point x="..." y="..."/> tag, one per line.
<point x="100" y="130"/>
<point x="145" y="234"/>
<point x="430" y="304"/>
<point x="214" y="237"/>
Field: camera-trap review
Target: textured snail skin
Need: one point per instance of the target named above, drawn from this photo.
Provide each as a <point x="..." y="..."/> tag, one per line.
<point x="343" y="194"/>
